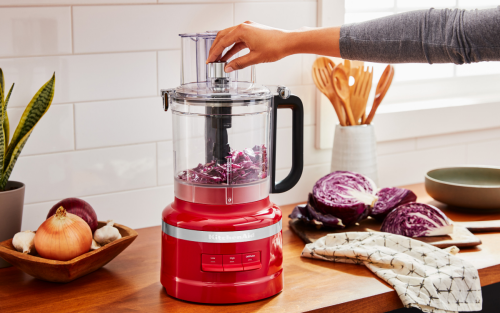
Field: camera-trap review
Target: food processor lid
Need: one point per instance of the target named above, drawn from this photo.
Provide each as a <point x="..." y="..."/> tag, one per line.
<point x="233" y="91"/>
<point x="209" y="82"/>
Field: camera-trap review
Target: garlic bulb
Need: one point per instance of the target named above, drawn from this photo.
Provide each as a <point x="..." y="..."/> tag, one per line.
<point x="94" y="245"/>
<point x="24" y="241"/>
<point x="107" y="234"/>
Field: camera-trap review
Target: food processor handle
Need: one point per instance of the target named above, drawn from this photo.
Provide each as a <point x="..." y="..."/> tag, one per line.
<point x="295" y="104"/>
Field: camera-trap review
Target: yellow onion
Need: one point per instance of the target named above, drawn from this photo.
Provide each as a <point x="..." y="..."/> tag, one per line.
<point x="63" y="236"/>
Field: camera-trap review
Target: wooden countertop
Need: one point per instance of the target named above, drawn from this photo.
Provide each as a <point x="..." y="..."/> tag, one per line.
<point x="131" y="282"/>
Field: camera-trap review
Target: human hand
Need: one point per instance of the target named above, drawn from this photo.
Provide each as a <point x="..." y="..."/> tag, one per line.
<point x="266" y="44"/>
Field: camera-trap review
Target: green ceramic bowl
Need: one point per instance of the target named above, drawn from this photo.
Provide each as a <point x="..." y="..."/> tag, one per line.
<point x="473" y="187"/>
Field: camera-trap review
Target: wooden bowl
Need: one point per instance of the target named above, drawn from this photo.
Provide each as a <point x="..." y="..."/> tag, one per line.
<point x="66" y="271"/>
<point x="470" y="187"/>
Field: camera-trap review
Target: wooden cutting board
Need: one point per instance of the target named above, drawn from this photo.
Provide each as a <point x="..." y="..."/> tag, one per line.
<point x="462" y="236"/>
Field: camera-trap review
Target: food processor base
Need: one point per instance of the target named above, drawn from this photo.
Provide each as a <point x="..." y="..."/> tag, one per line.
<point x="222" y="254"/>
<point x="223" y="293"/>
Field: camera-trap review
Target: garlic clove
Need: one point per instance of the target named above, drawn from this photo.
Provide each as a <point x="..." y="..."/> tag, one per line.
<point x="24" y="241"/>
<point x="107" y="234"/>
<point x="94" y="245"/>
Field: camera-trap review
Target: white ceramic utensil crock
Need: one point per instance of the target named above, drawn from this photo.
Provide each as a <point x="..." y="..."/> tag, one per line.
<point x="355" y="150"/>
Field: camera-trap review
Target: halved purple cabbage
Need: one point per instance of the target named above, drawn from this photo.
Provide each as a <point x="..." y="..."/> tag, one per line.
<point x="345" y="195"/>
<point x="242" y="167"/>
<point x="389" y="199"/>
<point x="309" y="215"/>
<point x="417" y="220"/>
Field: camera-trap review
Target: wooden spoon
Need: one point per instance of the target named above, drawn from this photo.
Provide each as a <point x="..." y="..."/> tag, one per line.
<point x="383" y="85"/>
<point x="322" y="75"/>
<point x="340" y="82"/>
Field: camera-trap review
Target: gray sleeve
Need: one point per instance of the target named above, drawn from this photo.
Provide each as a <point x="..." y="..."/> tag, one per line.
<point x="427" y="36"/>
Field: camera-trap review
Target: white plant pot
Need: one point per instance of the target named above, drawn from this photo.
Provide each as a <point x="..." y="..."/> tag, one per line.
<point x="355" y="150"/>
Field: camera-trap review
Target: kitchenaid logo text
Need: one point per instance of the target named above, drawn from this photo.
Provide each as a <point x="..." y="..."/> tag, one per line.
<point x="246" y="236"/>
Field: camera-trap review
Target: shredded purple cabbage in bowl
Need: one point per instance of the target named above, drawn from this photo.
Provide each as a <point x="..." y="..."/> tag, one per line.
<point x="242" y="167"/>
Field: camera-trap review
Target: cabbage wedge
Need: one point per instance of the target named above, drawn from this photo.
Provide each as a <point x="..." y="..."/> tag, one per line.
<point x="38" y="106"/>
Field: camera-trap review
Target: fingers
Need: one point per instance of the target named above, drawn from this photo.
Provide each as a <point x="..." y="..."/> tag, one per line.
<point x="235" y="49"/>
<point x="241" y="62"/>
<point x="226" y="41"/>
<point x="221" y="34"/>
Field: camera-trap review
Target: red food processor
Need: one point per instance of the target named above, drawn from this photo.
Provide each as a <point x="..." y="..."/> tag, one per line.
<point x="222" y="236"/>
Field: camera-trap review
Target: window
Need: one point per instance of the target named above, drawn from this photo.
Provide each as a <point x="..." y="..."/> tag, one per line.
<point x="410" y="77"/>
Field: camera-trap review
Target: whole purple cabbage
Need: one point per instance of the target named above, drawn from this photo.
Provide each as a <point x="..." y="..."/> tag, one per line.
<point x="309" y="215"/>
<point x="389" y="199"/>
<point x="242" y="167"/>
<point x="345" y="195"/>
<point x="417" y="220"/>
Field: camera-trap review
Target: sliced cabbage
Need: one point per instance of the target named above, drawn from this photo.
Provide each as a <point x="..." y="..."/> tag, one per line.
<point x="345" y="195"/>
<point x="417" y="220"/>
<point x="309" y="215"/>
<point x="389" y="199"/>
<point x="242" y="167"/>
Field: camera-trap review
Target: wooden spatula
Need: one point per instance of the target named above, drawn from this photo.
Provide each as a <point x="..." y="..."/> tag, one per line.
<point x="360" y="93"/>
<point x="340" y="82"/>
<point x="322" y="75"/>
<point x="383" y="85"/>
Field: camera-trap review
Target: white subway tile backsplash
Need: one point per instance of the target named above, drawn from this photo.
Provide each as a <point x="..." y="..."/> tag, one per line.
<point x="484" y="153"/>
<point x="136" y="209"/>
<point x="121" y="122"/>
<point x="287" y="72"/>
<point x="35" y="214"/>
<point x="311" y="154"/>
<point x="169" y="69"/>
<point x="82" y="173"/>
<point x="35" y="31"/>
<point x="144" y="27"/>
<point x="307" y="63"/>
<point x="53" y="133"/>
<point x="165" y="163"/>
<point x="115" y="55"/>
<point x="410" y="167"/>
<point x="396" y="146"/>
<point x="83" y="77"/>
<point x="289" y="15"/>
<point x="299" y="193"/>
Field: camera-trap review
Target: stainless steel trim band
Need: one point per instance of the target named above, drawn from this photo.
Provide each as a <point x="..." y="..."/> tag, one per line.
<point x="221" y="236"/>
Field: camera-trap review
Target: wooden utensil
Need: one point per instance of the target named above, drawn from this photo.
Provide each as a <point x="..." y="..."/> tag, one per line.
<point x="66" y="271"/>
<point x="360" y="93"/>
<point x="340" y="82"/>
<point x="322" y="75"/>
<point x="347" y="68"/>
<point x="383" y="85"/>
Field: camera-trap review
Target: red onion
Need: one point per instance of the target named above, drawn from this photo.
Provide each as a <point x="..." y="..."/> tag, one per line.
<point x="79" y="208"/>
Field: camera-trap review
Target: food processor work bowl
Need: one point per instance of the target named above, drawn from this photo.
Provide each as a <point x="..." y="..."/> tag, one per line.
<point x="224" y="152"/>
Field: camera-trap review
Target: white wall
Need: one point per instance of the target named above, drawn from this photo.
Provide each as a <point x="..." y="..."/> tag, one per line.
<point x="106" y="138"/>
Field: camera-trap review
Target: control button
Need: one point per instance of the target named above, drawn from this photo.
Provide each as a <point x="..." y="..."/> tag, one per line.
<point x="232" y="263"/>
<point x="251" y="261"/>
<point x="211" y="263"/>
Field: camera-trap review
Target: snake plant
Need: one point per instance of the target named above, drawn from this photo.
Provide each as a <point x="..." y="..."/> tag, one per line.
<point x="10" y="151"/>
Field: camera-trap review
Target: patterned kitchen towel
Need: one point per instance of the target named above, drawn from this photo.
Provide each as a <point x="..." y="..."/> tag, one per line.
<point x="425" y="277"/>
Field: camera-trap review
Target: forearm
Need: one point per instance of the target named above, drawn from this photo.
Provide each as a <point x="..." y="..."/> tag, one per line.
<point x="322" y="41"/>
<point x="430" y="36"/>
